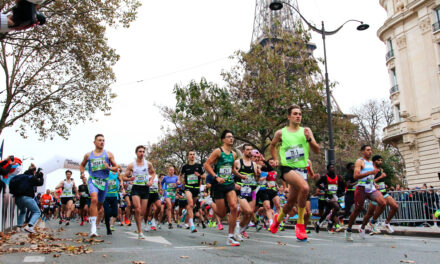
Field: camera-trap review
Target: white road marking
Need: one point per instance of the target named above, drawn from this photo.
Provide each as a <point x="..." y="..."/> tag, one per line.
<point x="34" y="259"/>
<point x="155" y="239"/>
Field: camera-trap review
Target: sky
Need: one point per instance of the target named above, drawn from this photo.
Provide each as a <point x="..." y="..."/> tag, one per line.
<point x="174" y="42"/>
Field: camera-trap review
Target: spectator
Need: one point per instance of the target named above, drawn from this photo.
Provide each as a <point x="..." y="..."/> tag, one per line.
<point x="23" y="187"/>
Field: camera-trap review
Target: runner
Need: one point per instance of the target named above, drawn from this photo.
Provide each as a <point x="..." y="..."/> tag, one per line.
<point x="364" y="172"/>
<point x="45" y="201"/>
<point x="351" y="187"/>
<point x="246" y="176"/>
<point x="223" y="183"/>
<point x="331" y="184"/>
<point x="111" y="200"/>
<point x="98" y="161"/>
<point x="169" y="185"/>
<point x="128" y="185"/>
<point x="380" y="181"/>
<point x="69" y="191"/>
<point x="154" y="202"/>
<point x="84" y="200"/>
<point x="293" y="155"/>
<point x="139" y="172"/>
<point x="191" y="175"/>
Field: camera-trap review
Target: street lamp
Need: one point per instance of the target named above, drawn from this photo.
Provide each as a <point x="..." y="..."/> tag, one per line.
<point x="277" y="5"/>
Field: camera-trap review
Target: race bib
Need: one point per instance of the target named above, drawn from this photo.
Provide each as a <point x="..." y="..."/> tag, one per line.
<point x="141" y="179"/>
<point x="98" y="164"/>
<point x="45" y="206"/>
<point x="171" y="191"/>
<point x="84" y="194"/>
<point x="382" y="186"/>
<point x="271" y="184"/>
<point x="129" y="186"/>
<point x="154" y="187"/>
<point x="47" y="201"/>
<point x="225" y="172"/>
<point x="112" y="185"/>
<point x="295" y="153"/>
<point x="333" y="188"/>
<point x="99" y="183"/>
<point x="67" y="193"/>
<point x="246" y="191"/>
<point x="193" y="179"/>
<point x="250" y="179"/>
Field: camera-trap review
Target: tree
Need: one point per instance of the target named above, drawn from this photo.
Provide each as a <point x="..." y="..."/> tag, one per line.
<point x="265" y="81"/>
<point x="59" y="74"/>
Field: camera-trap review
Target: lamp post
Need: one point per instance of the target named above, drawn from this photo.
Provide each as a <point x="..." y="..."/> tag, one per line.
<point x="277" y="5"/>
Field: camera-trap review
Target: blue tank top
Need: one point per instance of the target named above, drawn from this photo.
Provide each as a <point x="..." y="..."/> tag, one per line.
<point x="97" y="165"/>
<point x="368" y="181"/>
<point x="113" y="184"/>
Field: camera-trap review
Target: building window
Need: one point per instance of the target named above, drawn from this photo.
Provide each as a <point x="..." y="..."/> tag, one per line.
<point x="436" y="25"/>
<point x="397" y="113"/>
<point x="390" y="50"/>
<point x="394" y="86"/>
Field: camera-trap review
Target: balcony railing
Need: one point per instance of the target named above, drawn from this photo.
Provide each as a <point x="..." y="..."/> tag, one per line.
<point x="389" y="55"/>
<point x="436" y="26"/>
<point x="394" y="89"/>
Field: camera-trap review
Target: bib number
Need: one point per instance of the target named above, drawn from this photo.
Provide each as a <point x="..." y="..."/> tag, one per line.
<point x="45" y="206"/>
<point x="140" y="180"/>
<point x="154" y="187"/>
<point x="112" y="185"/>
<point x="332" y="188"/>
<point x="171" y="191"/>
<point x="271" y="184"/>
<point x="225" y="172"/>
<point x="382" y="186"/>
<point x="193" y="179"/>
<point x="98" y="164"/>
<point x="99" y="183"/>
<point x="246" y="191"/>
<point x="295" y="153"/>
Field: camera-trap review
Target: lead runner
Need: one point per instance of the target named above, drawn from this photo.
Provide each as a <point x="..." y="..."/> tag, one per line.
<point x="293" y="156"/>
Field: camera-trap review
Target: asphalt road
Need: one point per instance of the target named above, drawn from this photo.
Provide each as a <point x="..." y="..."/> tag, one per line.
<point x="209" y="246"/>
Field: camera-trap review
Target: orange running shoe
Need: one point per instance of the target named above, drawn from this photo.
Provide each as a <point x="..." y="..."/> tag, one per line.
<point x="220" y="226"/>
<point x="127" y="222"/>
<point x="300" y="230"/>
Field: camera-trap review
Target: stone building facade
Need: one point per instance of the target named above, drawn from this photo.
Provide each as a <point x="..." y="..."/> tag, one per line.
<point x="412" y="37"/>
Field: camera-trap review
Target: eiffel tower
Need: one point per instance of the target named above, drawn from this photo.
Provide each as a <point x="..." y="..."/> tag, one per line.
<point x="266" y="21"/>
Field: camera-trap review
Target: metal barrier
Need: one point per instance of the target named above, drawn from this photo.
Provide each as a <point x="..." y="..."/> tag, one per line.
<point x="416" y="207"/>
<point x="8" y="212"/>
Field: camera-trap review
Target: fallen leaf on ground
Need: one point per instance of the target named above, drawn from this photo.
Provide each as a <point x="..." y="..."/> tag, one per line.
<point x="393" y="247"/>
<point x="56" y="255"/>
<point x="184" y="257"/>
<point x="104" y="256"/>
<point x="407" y="261"/>
<point x="139" y="262"/>
<point x="281" y="244"/>
<point x="406" y="256"/>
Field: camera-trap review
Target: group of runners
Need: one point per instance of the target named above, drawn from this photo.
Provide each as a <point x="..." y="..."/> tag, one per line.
<point x="246" y="191"/>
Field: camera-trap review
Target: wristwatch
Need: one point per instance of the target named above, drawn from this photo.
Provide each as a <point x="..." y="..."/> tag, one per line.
<point x="309" y="140"/>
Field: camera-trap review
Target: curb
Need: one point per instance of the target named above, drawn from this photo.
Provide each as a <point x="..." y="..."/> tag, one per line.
<point x="355" y="229"/>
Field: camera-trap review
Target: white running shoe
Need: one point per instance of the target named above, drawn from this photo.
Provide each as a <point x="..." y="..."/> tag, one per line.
<point x="232" y="242"/>
<point x="147" y="228"/>
<point x="141" y="236"/>
<point x="389" y="229"/>
<point x="29" y="229"/>
<point x="362" y="233"/>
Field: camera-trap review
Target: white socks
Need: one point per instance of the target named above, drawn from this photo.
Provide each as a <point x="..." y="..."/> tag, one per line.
<point x="191" y="222"/>
<point x="92" y="220"/>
